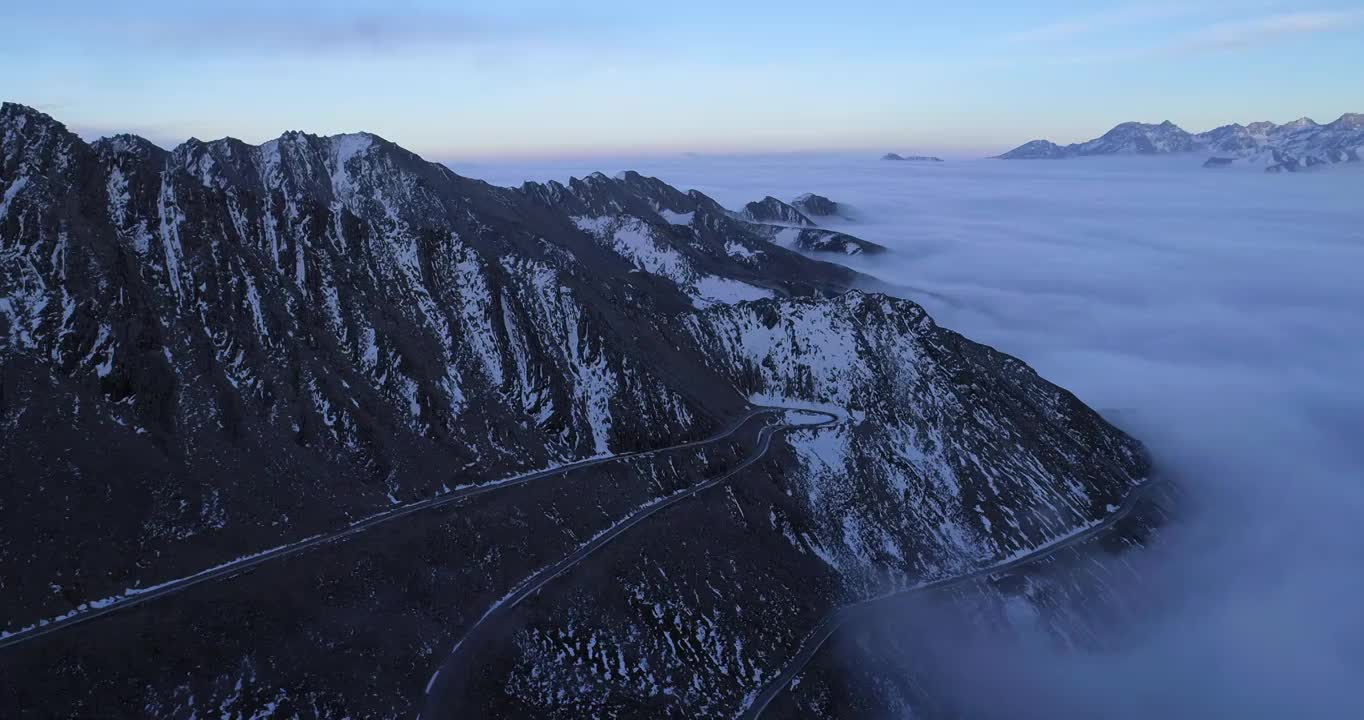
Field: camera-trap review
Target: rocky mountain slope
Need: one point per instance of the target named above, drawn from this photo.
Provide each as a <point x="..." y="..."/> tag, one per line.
<point x="971" y="648"/>
<point x="1289" y="147"/>
<point x="209" y="352"/>
<point x="816" y="205"/>
<point x="789" y="226"/>
<point x="770" y="209"/>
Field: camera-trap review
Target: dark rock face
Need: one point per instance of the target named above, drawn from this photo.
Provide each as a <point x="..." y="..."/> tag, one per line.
<point x="1217" y="162"/>
<point x="772" y="210"/>
<point x="816" y="205"/>
<point x="910" y="158"/>
<point x="787" y="226"/>
<point x="818" y="240"/>
<point x="214" y="351"/>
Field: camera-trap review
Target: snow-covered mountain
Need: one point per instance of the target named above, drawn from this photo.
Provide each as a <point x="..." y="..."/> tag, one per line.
<point x="223" y="349"/>
<point x="1130" y="138"/>
<point x="1289" y="147"/>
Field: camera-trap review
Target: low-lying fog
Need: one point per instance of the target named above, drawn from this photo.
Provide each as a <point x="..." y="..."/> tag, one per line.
<point x="1217" y="315"/>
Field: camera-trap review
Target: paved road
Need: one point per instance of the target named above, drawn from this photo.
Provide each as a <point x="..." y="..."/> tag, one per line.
<point x="839" y="616"/>
<point x="242" y="564"/>
<point x="437" y="687"/>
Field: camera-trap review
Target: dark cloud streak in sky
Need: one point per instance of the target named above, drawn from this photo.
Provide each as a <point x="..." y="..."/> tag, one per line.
<point x="294" y="31"/>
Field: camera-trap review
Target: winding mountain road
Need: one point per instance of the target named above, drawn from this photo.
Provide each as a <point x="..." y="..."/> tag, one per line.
<point x="101" y="608"/>
<point x="439" y="685"/>
<point x="841" y="615"/>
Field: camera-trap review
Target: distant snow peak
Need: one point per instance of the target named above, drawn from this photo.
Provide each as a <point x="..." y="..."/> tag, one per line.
<point x="1293" y="146"/>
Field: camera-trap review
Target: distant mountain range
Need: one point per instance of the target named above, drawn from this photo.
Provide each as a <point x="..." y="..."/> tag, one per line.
<point x="1292" y="146"/>
<point x="910" y="158"/>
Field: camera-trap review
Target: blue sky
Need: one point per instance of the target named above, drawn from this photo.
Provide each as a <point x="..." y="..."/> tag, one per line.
<point x="533" y="77"/>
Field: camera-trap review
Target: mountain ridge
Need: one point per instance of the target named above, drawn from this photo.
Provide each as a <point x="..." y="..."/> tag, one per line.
<point x="1292" y="146"/>
<point x="223" y="348"/>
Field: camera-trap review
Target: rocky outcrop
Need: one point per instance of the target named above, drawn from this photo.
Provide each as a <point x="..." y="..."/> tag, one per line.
<point x="818" y="240"/>
<point x="816" y="205"/>
<point x="772" y="210"/>
<point x="910" y="158"/>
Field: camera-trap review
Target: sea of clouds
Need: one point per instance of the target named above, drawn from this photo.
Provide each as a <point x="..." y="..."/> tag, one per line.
<point x="1218" y="315"/>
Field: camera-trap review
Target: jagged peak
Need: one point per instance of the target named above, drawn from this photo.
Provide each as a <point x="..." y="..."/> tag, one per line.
<point x="23" y="120"/>
<point x="592" y="182"/>
<point x="550" y="192"/>
<point x="12" y="111"/>
<point x="1131" y="126"/>
<point x="633" y="177"/>
<point x="127" y="144"/>
<point x="550" y="185"/>
<point x="629" y="192"/>
<point x="771" y="209"/>
<point x="31" y="137"/>
<point x="301" y="139"/>
<point x="1167" y="137"/>
<point x="575" y="182"/>
<point x="1230" y="127"/>
<point x="336" y="148"/>
<point x="302" y="153"/>
<point x="1351" y="121"/>
<point x="815" y="205"/>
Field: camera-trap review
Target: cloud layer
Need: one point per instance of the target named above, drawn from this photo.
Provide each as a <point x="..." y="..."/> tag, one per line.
<point x="1220" y="314"/>
<point x="262" y="31"/>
